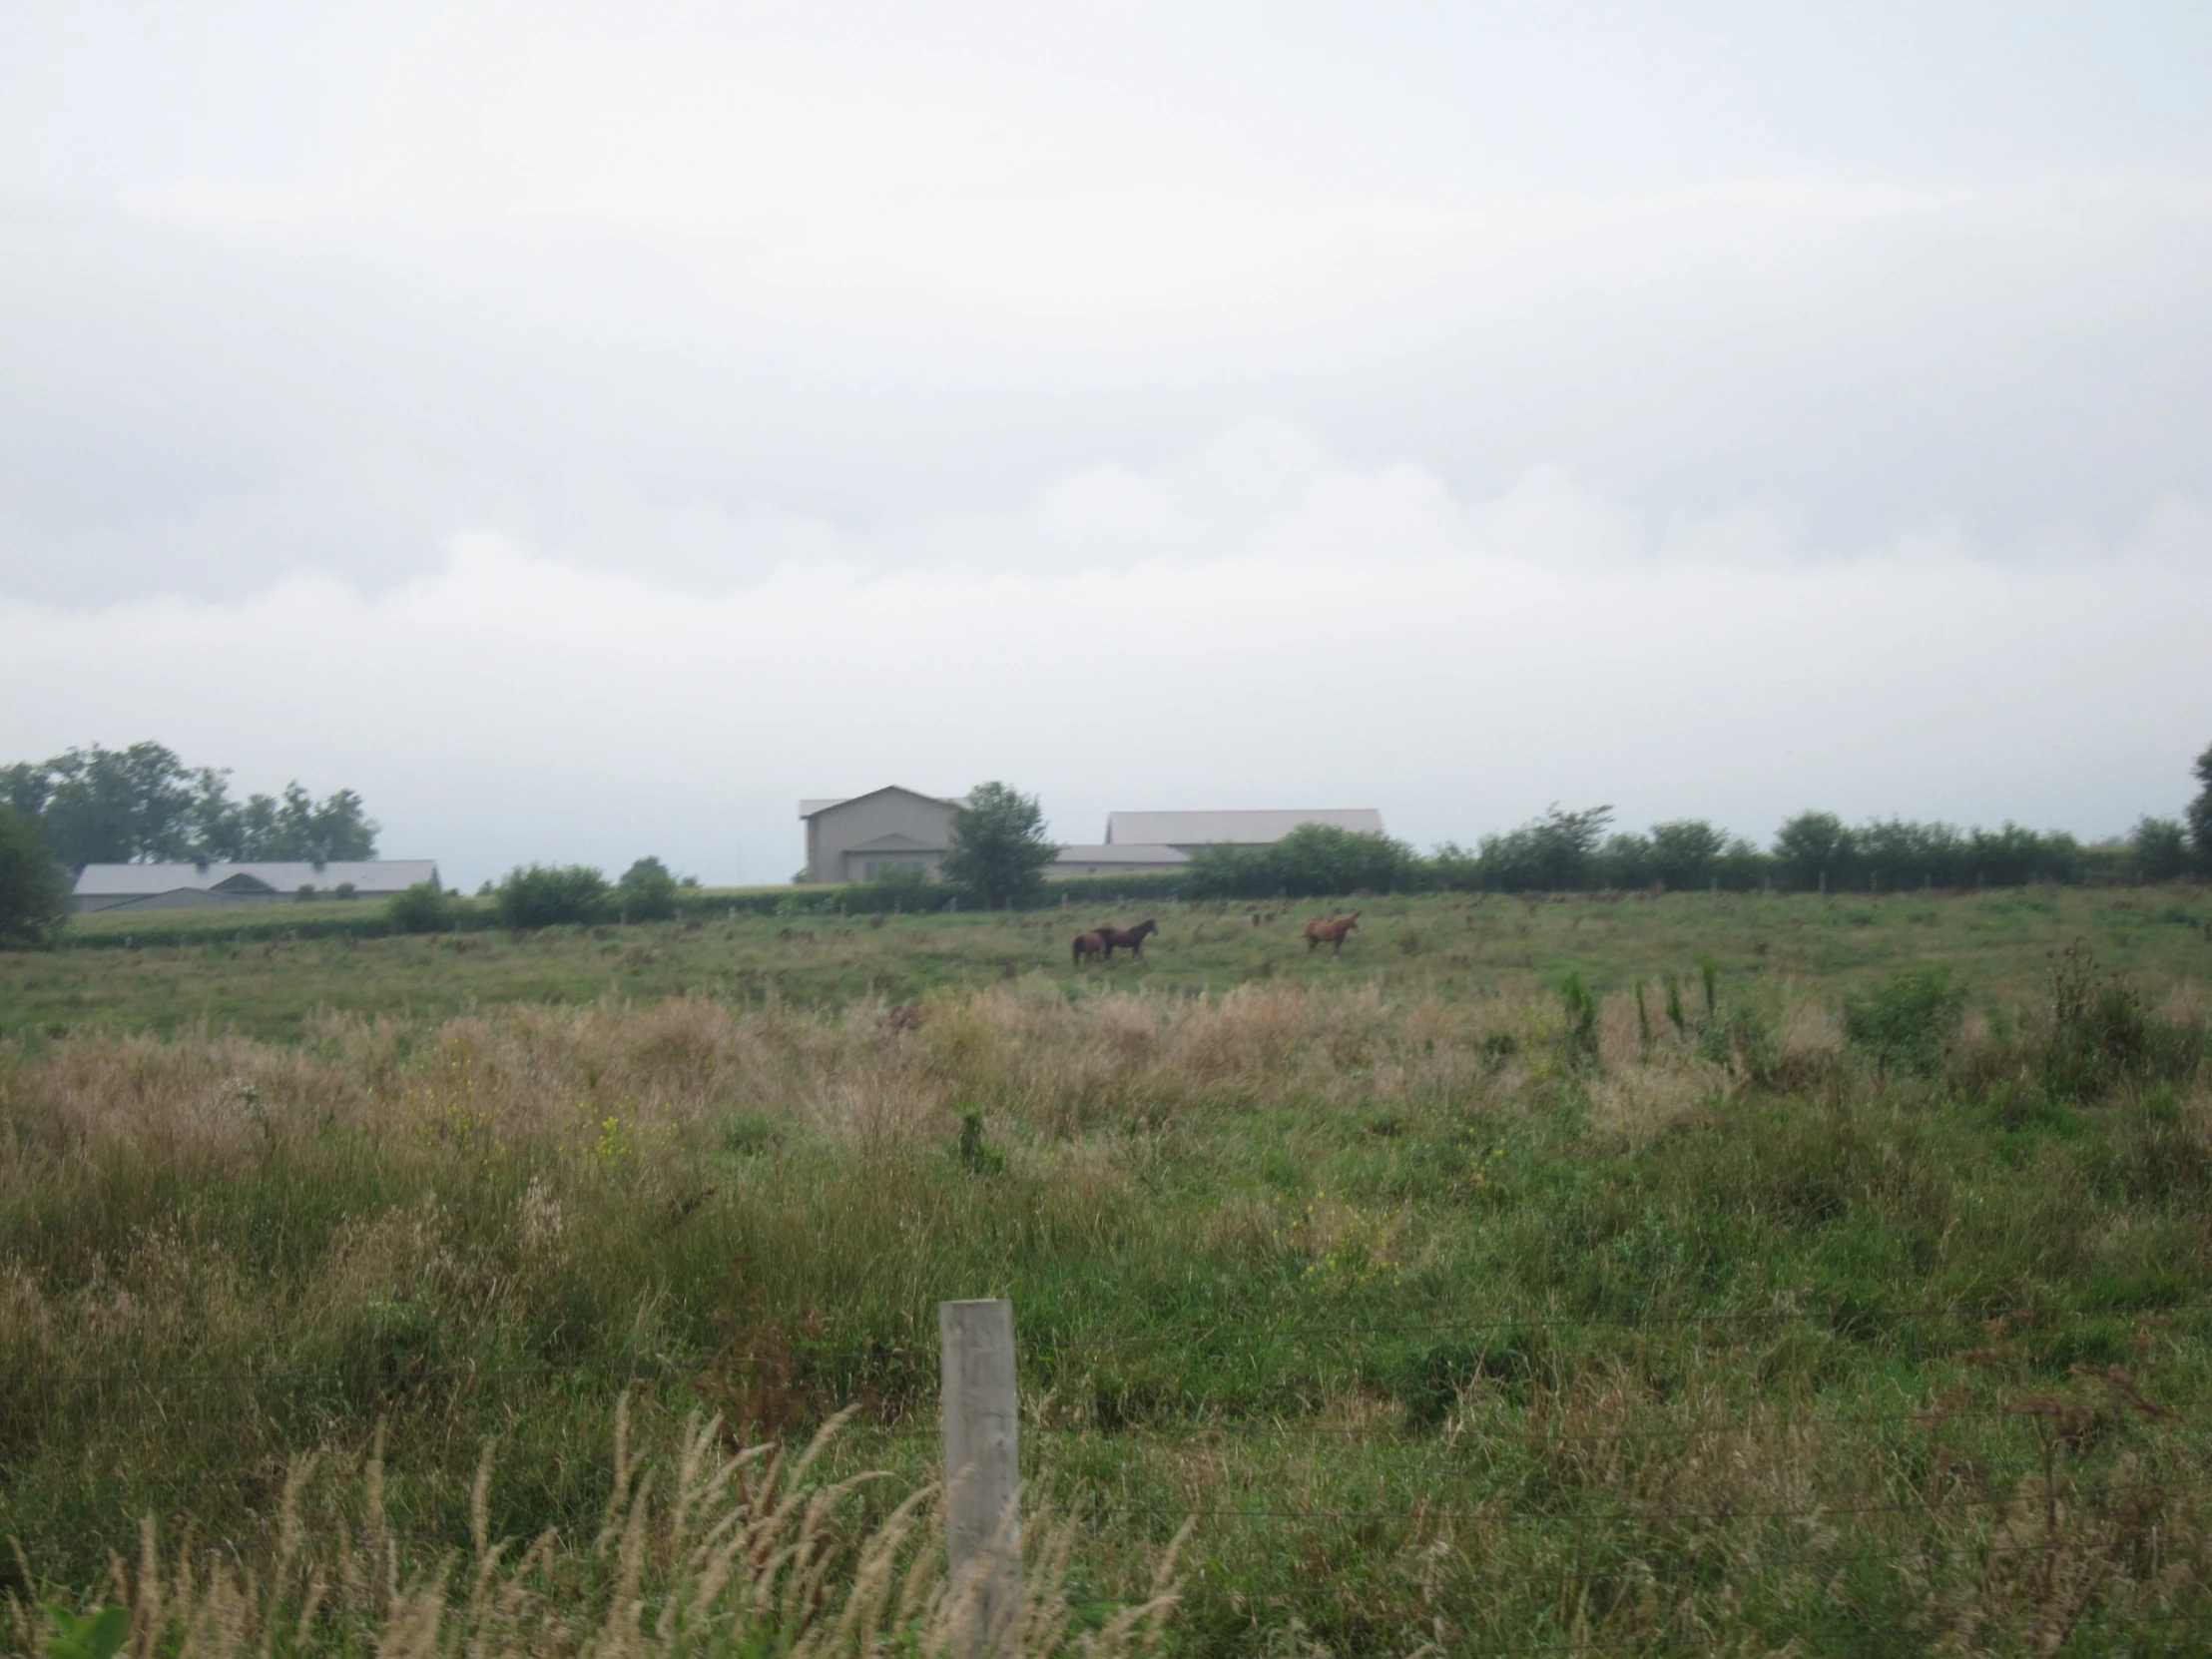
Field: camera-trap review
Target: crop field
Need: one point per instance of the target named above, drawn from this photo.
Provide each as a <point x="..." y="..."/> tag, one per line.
<point x="1702" y="1274"/>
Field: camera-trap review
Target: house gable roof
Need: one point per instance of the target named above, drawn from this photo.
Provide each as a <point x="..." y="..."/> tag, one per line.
<point x="816" y="805"/>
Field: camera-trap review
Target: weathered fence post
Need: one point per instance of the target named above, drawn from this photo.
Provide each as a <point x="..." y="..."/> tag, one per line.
<point x="982" y="1474"/>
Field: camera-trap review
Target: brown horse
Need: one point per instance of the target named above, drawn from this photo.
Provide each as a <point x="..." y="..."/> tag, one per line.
<point x="1088" y="945"/>
<point x="1130" y="940"/>
<point x="1331" y="932"/>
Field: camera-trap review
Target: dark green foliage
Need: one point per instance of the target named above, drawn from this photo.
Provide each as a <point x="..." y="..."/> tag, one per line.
<point x="1552" y="854"/>
<point x="549" y="895"/>
<point x="1815" y="849"/>
<point x="901" y="890"/>
<point x="104" y="806"/>
<point x="977" y="1157"/>
<point x="424" y="908"/>
<point x="1581" y="1008"/>
<point x="2200" y="814"/>
<point x="998" y="849"/>
<point x="1906" y="1023"/>
<point x="1314" y="860"/>
<point x="293" y="826"/>
<point x="95" y="1635"/>
<point x="1685" y="853"/>
<point x="647" y="891"/>
<point x="2160" y="849"/>
<point x="34" y="892"/>
<point x="2102" y="1034"/>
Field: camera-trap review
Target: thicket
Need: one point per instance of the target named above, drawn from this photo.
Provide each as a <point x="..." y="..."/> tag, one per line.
<point x="551" y="896"/>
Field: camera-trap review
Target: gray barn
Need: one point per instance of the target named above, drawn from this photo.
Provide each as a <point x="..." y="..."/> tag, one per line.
<point x="866" y="836"/>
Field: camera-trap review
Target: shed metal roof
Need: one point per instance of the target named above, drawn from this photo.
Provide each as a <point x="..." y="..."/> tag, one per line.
<point x="1241" y="828"/>
<point x="1124" y="852"/>
<point x="285" y="876"/>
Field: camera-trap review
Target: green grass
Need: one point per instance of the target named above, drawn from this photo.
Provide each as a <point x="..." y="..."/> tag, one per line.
<point x="1456" y="944"/>
<point x="1450" y="1325"/>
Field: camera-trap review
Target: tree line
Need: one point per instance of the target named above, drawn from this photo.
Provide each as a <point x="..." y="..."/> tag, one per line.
<point x="143" y="805"/>
<point x="1000" y="852"/>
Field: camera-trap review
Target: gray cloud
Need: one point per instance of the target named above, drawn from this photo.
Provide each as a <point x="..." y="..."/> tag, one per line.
<point x="1717" y="411"/>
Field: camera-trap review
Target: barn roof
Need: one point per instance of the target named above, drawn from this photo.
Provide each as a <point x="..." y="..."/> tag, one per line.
<point x="1242" y="828"/>
<point x="280" y="876"/>
<point x="1124" y="852"/>
<point x="810" y="805"/>
<point x="895" y="842"/>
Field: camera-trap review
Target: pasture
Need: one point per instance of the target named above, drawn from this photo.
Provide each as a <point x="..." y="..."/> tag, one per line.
<point x="1449" y="1295"/>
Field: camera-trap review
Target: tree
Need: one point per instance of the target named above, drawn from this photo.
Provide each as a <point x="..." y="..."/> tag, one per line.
<point x="100" y="806"/>
<point x="647" y="891"/>
<point x="998" y="850"/>
<point x="34" y="893"/>
<point x="2200" y="814"/>
<point x="1814" y="848"/>
<point x="1686" y="854"/>
<point x="1551" y="855"/>
<point x="2159" y="849"/>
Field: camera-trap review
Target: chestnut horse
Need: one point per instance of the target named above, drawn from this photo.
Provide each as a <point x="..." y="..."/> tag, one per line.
<point x="1089" y="945"/>
<point x="1130" y="940"/>
<point x="1331" y="933"/>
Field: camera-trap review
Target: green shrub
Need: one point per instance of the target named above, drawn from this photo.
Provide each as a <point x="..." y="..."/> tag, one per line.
<point x="547" y="896"/>
<point x="2102" y="1034"/>
<point x="34" y="896"/>
<point x="905" y="891"/>
<point x="1581" y="1006"/>
<point x="421" y="909"/>
<point x="1907" y="1022"/>
<point x="647" y="891"/>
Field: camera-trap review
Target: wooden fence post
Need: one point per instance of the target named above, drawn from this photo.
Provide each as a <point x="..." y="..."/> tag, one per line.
<point x="982" y="1473"/>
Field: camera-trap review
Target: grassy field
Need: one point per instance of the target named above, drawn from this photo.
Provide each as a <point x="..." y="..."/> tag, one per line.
<point x="1452" y="946"/>
<point x="1450" y="1314"/>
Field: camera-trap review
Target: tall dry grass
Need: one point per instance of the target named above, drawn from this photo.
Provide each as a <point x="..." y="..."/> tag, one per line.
<point x="709" y="1550"/>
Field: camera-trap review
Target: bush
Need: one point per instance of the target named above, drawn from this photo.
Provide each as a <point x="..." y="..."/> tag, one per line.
<point x="421" y="909"/>
<point x="902" y="891"/>
<point x="1555" y="853"/>
<point x="547" y="896"/>
<point x="2102" y="1035"/>
<point x="34" y="894"/>
<point x="1314" y="860"/>
<point x="647" y="891"/>
<point x="2159" y="849"/>
<point x="1907" y="1022"/>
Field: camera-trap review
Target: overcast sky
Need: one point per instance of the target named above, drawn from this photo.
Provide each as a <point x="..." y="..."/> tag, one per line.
<point x="584" y="430"/>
